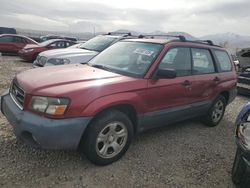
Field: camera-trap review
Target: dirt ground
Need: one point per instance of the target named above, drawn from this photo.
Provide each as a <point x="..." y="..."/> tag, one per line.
<point x="187" y="154"/>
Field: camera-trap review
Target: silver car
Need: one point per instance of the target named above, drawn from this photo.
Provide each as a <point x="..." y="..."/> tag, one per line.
<point x="79" y="54"/>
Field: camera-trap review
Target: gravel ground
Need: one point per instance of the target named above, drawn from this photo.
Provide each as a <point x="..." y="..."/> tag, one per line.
<point x="187" y="154"/>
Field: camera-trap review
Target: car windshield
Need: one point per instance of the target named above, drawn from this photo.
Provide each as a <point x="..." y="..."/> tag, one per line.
<point x="128" y="58"/>
<point x="98" y="43"/>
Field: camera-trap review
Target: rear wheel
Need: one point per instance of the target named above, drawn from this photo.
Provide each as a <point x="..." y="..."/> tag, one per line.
<point x="216" y="112"/>
<point x="108" y="137"/>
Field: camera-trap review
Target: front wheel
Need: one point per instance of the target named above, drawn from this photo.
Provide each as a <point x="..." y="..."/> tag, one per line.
<point x="108" y="137"/>
<point x="216" y="112"/>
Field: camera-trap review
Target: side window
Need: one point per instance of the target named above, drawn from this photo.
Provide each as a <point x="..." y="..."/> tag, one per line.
<point x="202" y="61"/>
<point x="67" y="44"/>
<point x="223" y="60"/>
<point x="59" y="44"/>
<point x="178" y="59"/>
<point x="18" y="40"/>
<point x="6" y="39"/>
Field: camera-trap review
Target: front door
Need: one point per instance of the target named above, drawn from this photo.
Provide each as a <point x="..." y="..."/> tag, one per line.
<point x="167" y="99"/>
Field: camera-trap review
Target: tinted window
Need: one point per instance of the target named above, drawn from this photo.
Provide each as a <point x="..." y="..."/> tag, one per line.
<point x="19" y="40"/>
<point x="6" y="39"/>
<point x="178" y="59"/>
<point x="202" y="61"/>
<point x="67" y="44"/>
<point x="59" y="44"/>
<point x="224" y="61"/>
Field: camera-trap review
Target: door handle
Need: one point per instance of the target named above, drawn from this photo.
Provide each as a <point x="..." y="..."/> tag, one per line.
<point x="186" y="83"/>
<point x="216" y="79"/>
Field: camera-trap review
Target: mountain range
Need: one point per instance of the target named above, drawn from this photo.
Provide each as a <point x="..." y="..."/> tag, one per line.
<point x="231" y="41"/>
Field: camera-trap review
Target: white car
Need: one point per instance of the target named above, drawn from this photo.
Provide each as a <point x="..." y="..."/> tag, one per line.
<point x="78" y="54"/>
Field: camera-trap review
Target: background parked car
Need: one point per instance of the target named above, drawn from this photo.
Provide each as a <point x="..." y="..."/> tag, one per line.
<point x="241" y="166"/>
<point x="30" y="52"/>
<point x="82" y="54"/>
<point x="49" y="37"/>
<point x="11" y="43"/>
<point x="7" y="30"/>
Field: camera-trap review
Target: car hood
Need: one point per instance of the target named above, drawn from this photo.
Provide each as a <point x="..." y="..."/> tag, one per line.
<point x="65" y="77"/>
<point x="66" y="52"/>
<point x="82" y="85"/>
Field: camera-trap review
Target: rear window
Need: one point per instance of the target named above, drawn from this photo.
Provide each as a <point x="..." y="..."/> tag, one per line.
<point x="223" y="60"/>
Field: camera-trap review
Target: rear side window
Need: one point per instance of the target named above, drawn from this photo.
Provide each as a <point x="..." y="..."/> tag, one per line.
<point x="67" y="44"/>
<point x="18" y="40"/>
<point x="223" y="60"/>
<point x="178" y="59"/>
<point x="6" y="39"/>
<point x="202" y="61"/>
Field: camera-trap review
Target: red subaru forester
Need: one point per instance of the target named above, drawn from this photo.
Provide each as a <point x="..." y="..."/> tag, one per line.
<point x="134" y="85"/>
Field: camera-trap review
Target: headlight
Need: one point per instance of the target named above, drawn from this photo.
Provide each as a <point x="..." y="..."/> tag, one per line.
<point x="59" y="61"/>
<point x="29" y="50"/>
<point x="49" y="105"/>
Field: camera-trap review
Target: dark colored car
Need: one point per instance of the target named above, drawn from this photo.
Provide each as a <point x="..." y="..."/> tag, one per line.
<point x="11" y="44"/>
<point x="7" y="30"/>
<point x="132" y="86"/>
<point x="241" y="166"/>
<point x="49" y="37"/>
<point x="30" y="52"/>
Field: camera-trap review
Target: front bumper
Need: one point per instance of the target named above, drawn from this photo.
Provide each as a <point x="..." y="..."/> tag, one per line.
<point x="43" y="132"/>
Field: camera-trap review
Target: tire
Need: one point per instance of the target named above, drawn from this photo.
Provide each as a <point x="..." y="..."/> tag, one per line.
<point x="239" y="170"/>
<point x="108" y="137"/>
<point x="216" y="112"/>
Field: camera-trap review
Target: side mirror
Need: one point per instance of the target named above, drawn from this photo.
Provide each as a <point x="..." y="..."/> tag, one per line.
<point x="166" y="73"/>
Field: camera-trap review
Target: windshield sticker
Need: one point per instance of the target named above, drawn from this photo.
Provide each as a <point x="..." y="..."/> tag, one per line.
<point x="143" y="52"/>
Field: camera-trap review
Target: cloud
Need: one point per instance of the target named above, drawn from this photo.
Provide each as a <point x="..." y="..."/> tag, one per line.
<point x="196" y="17"/>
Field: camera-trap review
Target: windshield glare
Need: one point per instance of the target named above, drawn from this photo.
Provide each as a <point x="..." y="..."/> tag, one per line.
<point x="129" y="58"/>
<point x="98" y="43"/>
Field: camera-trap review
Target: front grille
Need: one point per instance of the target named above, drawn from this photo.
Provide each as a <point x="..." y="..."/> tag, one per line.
<point x="17" y="94"/>
<point x="41" y="60"/>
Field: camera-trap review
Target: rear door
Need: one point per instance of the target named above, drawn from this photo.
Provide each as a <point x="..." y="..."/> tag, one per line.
<point x="167" y="98"/>
<point x="18" y="43"/>
<point x="206" y="78"/>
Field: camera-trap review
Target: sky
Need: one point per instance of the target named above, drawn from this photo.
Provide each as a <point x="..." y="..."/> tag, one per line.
<point x="196" y="17"/>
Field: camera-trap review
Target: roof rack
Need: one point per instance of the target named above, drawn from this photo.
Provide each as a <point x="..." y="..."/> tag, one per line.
<point x="181" y="37"/>
<point x="119" y="33"/>
<point x="206" y="41"/>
